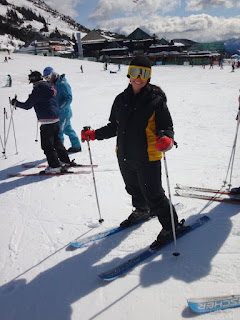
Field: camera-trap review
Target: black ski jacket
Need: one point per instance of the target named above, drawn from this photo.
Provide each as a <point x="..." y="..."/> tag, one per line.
<point x="43" y="100"/>
<point x="137" y="120"/>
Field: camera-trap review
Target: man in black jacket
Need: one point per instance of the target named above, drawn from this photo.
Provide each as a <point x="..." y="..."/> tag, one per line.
<point x="44" y="102"/>
<point x="143" y="125"/>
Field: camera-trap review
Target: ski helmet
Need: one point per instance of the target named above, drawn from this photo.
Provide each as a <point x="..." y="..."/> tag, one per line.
<point x="34" y="76"/>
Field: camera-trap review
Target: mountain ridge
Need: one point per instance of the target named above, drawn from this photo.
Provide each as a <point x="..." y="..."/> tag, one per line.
<point x="37" y="20"/>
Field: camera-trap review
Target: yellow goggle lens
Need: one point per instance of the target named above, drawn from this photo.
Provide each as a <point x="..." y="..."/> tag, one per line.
<point x="143" y="72"/>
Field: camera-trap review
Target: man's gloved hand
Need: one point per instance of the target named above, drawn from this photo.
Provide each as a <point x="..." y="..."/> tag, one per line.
<point x="164" y="144"/>
<point x="238" y="115"/>
<point x="13" y="101"/>
<point x="87" y="135"/>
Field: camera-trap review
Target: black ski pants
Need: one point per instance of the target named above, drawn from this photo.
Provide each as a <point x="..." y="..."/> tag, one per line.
<point x="52" y="145"/>
<point x="143" y="182"/>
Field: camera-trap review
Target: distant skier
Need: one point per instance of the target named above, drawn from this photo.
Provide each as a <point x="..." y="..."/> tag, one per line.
<point x="143" y="125"/>
<point x="64" y="99"/>
<point x="81" y="68"/>
<point x="9" y="81"/>
<point x="233" y="66"/>
<point x="44" y="102"/>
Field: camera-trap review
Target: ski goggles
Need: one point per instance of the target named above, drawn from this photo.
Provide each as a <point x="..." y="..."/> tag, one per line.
<point x="143" y="72"/>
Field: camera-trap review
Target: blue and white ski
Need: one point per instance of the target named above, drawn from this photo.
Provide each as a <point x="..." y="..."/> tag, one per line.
<point x="103" y="234"/>
<point x="129" y="264"/>
<point x="210" y="304"/>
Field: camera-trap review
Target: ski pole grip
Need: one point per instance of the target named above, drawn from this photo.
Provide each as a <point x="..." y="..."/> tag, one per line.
<point x="161" y="133"/>
<point x="86" y="128"/>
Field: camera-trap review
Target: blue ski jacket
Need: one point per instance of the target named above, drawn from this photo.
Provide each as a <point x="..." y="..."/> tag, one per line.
<point x="44" y="102"/>
<point x="64" y="96"/>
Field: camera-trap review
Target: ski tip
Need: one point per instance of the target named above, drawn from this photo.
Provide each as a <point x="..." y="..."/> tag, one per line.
<point x="211" y="304"/>
<point x="104" y="277"/>
<point x="75" y="244"/>
<point x="193" y="307"/>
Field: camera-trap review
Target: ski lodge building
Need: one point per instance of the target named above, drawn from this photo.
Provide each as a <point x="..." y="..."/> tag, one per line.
<point x="159" y="51"/>
<point x="100" y="46"/>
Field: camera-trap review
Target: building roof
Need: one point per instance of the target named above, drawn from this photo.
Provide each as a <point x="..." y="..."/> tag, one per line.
<point x="93" y="36"/>
<point x="211" y="46"/>
<point x="163" y="41"/>
<point x="139" y="34"/>
<point x="113" y="45"/>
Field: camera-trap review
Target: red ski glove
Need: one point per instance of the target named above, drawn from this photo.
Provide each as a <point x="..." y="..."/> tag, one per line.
<point x="87" y="135"/>
<point x="163" y="144"/>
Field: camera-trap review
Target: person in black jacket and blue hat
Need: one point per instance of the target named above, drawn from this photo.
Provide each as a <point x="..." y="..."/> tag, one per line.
<point x="143" y="125"/>
<point x="44" y="102"/>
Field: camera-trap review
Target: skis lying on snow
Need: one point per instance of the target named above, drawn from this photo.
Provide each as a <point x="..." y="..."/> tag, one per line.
<point x="187" y="188"/>
<point x="203" y="305"/>
<point x="182" y="193"/>
<point x="103" y="234"/>
<point x="44" y="165"/>
<point x="42" y="173"/>
<point x="129" y="264"/>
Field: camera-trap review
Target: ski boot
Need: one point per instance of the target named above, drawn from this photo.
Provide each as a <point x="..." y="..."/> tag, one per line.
<point x="167" y="235"/>
<point x="136" y="215"/>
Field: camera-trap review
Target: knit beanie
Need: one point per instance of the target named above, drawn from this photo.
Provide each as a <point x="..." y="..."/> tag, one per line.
<point x="47" y="71"/>
<point x="141" y="61"/>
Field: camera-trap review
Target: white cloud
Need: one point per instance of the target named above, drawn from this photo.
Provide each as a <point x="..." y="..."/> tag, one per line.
<point x="200" y="27"/>
<point x="66" y="7"/>
<point x="108" y="8"/>
<point x="199" y="5"/>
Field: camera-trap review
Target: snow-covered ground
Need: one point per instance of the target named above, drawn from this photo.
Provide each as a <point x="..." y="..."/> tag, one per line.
<point x="41" y="278"/>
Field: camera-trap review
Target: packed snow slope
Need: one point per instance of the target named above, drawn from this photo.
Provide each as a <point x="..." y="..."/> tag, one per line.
<point x="41" y="278"/>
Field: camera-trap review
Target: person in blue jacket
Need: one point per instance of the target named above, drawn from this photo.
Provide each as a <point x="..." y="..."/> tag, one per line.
<point x="64" y="99"/>
<point x="44" y="102"/>
<point x="9" y="81"/>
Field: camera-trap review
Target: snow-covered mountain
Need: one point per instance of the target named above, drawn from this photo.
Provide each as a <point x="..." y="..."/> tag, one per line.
<point x="22" y="21"/>
<point x="232" y="46"/>
<point x="26" y="20"/>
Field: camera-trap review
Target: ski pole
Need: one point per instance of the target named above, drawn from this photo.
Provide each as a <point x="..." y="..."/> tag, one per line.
<point x="12" y="122"/>
<point x="93" y="175"/>
<point x="37" y="132"/>
<point x="2" y="145"/>
<point x="171" y="206"/>
<point x="231" y="161"/>
<point x="170" y="198"/>
<point x="4" y="127"/>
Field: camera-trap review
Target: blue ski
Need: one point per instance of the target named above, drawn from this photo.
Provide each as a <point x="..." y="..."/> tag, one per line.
<point x="129" y="264"/>
<point x="101" y="235"/>
<point x="204" y="305"/>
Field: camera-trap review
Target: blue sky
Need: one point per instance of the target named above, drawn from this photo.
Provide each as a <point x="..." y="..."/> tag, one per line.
<point x="199" y="20"/>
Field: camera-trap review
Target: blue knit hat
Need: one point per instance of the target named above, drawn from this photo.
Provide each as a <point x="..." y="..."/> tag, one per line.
<point x="47" y="71"/>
